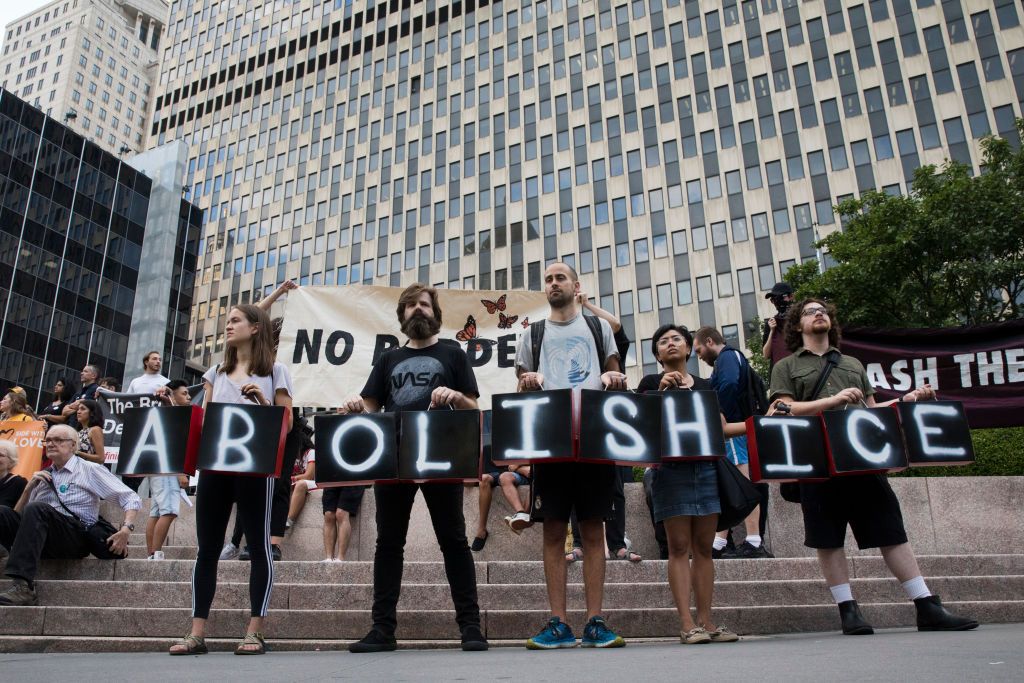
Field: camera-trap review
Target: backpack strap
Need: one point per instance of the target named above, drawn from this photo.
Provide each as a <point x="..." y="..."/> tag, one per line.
<point x="594" y="323"/>
<point x="536" y="339"/>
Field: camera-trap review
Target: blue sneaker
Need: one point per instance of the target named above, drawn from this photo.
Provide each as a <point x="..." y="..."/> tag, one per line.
<point x="597" y="634"/>
<point x="554" y="635"/>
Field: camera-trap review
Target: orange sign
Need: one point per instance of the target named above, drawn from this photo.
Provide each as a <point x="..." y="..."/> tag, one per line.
<point x="28" y="437"/>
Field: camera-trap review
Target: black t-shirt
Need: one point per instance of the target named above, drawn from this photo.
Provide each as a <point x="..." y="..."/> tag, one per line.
<point x="404" y="378"/>
<point x="651" y="383"/>
<point x="10" y="489"/>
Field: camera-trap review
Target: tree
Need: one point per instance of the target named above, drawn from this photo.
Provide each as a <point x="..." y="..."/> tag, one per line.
<point x="952" y="252"/>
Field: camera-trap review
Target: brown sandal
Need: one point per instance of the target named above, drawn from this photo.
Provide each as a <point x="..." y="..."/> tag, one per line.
<point x="194" y="645"/>
<point x="252" y="639"/>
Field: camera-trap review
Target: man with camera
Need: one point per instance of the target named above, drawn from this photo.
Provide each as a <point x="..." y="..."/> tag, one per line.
<point x="781" y="295"/>
<point x="57" y="516"/>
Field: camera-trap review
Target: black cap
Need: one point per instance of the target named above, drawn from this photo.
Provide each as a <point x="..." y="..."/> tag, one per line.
<point x="779" y="289"/>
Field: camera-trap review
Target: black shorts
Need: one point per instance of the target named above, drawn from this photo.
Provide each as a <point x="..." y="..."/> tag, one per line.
<point x="347" y="498"/>
<point x="866" y="502"/>
<point x="560" y="487"/>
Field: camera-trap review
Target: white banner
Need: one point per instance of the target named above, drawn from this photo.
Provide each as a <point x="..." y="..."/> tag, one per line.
<point x="332" y="336"/>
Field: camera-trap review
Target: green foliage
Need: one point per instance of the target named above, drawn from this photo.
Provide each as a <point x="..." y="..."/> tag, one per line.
<point x="998" y="452"/>
<point x="950" y="253"/>
<point x="755" y="345"/>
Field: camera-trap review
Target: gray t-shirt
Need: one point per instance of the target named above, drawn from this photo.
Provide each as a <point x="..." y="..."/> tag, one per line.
<point x="227" y="391"/>
<point x="568" y="355"/>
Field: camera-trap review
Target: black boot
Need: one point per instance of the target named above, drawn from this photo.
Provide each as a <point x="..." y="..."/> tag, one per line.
<point x="932" y="616"/>
<point x="854" y="623"/>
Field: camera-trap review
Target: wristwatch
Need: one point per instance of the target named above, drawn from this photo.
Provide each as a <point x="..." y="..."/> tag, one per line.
<point x="130" y="527"/>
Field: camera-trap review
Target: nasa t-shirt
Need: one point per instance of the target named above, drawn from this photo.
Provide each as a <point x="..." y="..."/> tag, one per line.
<point x="404" y="378"/>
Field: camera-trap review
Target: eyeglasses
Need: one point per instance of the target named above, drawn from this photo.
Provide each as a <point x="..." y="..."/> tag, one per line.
<point x="57" y="441"/>
<point x="814" y="310"/>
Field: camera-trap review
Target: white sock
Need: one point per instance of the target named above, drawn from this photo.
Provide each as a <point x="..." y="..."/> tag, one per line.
<point x="719" y="543"/>
<point x="916" y="588"/>
<point x="841" y="593"/>
<point x="754" y="540"/>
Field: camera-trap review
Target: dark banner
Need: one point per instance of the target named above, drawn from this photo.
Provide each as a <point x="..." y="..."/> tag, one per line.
<point x="982" y="366"/>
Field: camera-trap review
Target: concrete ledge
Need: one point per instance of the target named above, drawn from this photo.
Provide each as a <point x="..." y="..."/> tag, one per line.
<point x="943" y="515"/>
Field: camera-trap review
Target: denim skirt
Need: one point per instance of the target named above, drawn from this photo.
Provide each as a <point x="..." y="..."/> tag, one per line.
<point x="685" y="488"/>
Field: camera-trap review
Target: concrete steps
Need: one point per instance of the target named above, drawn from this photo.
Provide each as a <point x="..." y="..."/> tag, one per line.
<point x="139" y="605"/>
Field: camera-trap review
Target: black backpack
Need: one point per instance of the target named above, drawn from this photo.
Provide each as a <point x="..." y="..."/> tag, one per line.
<point x="755" y="393"/>
<point x="537" y="337"/>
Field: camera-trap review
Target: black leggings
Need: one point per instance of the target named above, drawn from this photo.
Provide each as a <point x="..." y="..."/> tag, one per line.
<point x="214" y="497"/>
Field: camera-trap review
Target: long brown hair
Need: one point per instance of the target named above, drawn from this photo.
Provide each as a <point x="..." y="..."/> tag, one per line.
<point x="794" y="333"/>
<point x="19" y="404"/>
<point x="261" y="358"/>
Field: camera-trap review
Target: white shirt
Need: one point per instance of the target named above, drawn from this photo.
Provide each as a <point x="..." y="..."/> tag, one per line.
<point x="146" y="384"/>
<point x="81" y="485"/>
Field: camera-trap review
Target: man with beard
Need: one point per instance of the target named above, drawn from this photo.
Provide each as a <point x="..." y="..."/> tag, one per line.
<point x="864" y="502"/>
<point x="575" y="352"/>
<point x="421" y="375"/>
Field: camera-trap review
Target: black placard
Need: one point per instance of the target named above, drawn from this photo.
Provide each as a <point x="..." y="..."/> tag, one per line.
<point x="439" y="445"/>
<point x="863" y="440"/>
<point x="157" y="441"/>
<point x="691" y="426"/>
<point x="786" y="448"/>
<point x="355" y="449"/>
<point x="620" y="427"/>
<point x="534" y="426"/>
<point x="243" y="439"/>
<point x="936" y="433"/>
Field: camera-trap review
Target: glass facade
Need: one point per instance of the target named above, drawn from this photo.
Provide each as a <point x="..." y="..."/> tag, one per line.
<point x="681" y="155"/>
<point x="72" y="226"/>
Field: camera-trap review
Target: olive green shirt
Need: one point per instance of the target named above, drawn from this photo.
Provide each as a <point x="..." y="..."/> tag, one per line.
<point x="796" y="376"/>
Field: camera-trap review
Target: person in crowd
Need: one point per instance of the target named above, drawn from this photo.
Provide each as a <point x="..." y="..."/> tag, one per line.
<point x="90" y="436"/>
<point x="729" y="379"/>
<point x="150" y="381"/>
<point x="247" y="375"/>
<point x="165" y="491"/>
<point x="450" y="382"/>
<point x="53" y="412"/>
<point x="42" y="523"/>
<point x="340" y="505"/>
<point x="509" y="479"/>
<point x="616" y="543"/>
<point x="11" y="485"/>
<point x="559" y="489"/>
<point x="685" y="498"/>
<point x="774" y="349"/>
<point x="659" y="526"/>
<point x="14" y="408"/>
<point x="866" y="503"/>
<point x="110" y="384"/>
<point x="299" y="439"/>
<point x="303" y="481"/>
<point x="90" y="384"/>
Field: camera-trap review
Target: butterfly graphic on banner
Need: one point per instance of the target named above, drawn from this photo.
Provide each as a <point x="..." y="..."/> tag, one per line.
<point x="468" y="334"/>
<point x="505" y="321"/>
<point x="494" y="306"/>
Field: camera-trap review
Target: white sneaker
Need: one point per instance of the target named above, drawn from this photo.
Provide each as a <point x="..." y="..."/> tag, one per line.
<point x="518" y="522"/>
<point x="157" y="555"/>
<point x="229" y="552"/>
<point x="327" y="560"/>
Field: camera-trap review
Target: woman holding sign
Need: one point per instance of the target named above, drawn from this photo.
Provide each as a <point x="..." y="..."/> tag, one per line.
<point x="247" y="375"/>
<point x="685" y="498"/>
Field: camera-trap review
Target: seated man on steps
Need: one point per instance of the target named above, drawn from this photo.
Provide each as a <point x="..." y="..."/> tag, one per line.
<point x="41" y="523"/>
<point x="509" y="480"/>
<point x="818" y="377"/>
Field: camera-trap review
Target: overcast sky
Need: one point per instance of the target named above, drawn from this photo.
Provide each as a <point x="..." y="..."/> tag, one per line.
<point x="12" y="9"/>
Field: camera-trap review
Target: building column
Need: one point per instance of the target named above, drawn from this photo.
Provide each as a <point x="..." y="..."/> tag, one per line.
<point x="152" y="34"/>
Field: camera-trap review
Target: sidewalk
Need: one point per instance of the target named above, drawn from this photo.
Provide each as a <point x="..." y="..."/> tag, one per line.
<point x="991" y="653"/>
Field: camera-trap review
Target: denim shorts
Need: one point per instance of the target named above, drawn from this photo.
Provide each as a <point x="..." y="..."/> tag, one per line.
<point x="520" y="480"/>
<point x="685" y="489"/>
<point x="164" y="496"/>
<point x="736" y="450"/>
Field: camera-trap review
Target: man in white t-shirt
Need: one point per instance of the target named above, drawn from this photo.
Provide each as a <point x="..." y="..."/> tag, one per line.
<point x="150" y="380"/>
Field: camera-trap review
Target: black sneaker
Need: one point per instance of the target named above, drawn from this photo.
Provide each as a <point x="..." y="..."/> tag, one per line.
<point x="473" y="639"/>
<point x="244" y="554"/>
<point x="275" y="552"/>
<point x="374" y="641"/>
<point x="746" y="551"/>
<point x="716" y="554"/>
